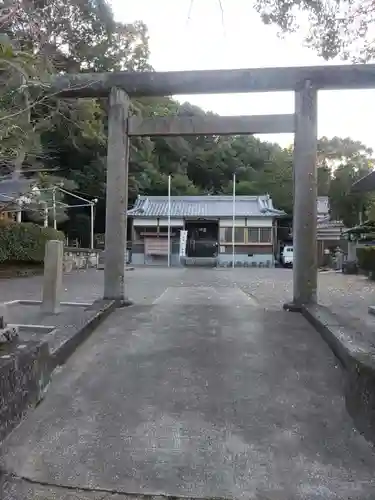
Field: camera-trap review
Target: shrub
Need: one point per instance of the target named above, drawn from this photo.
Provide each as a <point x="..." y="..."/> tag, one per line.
<point x="25" y="242"/>
<point x="366" y="260"/>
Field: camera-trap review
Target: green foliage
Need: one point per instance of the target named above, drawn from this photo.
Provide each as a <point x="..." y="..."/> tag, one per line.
<point x="25" y="242"/>
<point x="80" y="231"/>
<point x="345" y="205"/>
<point x="334" y="27"/>
<point x="366" y="260"/>
<point x="46" y="183"/>
<point x="18" y="125"/>
<point x="342" y="150"/>
<point x="341" y="163"/>
<point x="363" y="233"/>
<point x="58" y="36"/>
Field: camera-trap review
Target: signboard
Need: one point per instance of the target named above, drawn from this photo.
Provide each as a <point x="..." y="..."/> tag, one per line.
<point x="156" y="246"/>
<point x="183" y="241"/>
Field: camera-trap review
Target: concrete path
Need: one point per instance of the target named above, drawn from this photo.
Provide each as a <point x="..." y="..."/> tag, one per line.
<point x="199" y="393"/>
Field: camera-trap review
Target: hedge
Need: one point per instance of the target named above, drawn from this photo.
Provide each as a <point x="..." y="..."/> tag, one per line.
<point x="25" y="242"/>
<point x="366" y="260"/>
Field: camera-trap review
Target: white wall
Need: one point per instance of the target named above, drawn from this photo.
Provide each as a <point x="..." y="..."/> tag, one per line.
<point x="247" y="222"/>
<point x="227" y="222"/>
<point x="154" y="222"/>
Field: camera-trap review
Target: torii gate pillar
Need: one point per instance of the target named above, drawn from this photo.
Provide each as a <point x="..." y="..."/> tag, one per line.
<point x="305" y="270"/>
<point x="117" y="197"/>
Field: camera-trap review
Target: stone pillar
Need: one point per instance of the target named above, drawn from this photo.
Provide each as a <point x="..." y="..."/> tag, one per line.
<point x="117" y="189"/>
<point x="3" y="316"/>
<point x="305" y="269"/>
<point x="352" y="250"/>
<point x="52" y="284"/>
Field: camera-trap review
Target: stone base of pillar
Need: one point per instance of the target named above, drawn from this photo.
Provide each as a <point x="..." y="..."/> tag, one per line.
<point x="124" y="303"/>
<point x="292" y="307"/>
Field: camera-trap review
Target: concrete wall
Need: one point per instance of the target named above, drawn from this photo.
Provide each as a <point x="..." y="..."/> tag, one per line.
<point x="80" y="258"/>
<point x="244" y="260"/>
<point x="24" y="374"/>
<point x="224" y="260"/>
<point x="138" y="258"/>
<point x="255" y="255"/>
<point x="245" y="256"/>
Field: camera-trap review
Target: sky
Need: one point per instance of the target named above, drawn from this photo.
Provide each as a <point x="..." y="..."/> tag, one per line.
<point x="195" y="35"/>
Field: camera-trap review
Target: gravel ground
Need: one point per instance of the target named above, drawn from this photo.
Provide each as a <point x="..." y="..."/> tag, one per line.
<point x="348" y="296"/>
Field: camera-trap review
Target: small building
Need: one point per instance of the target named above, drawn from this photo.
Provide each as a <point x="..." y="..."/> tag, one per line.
<point x="14" y="194"/>
<point x="208" y="222"/>
<point x="329" y="232"/>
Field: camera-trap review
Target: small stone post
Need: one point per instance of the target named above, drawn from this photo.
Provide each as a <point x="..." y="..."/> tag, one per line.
<point x="352" y="251"/>
<point x="3" y="316"/>
<point x="8" y="333"/>
<point x="305" y="268"/>
<point x="52" y="284"/>
<point x="117" y="196"/>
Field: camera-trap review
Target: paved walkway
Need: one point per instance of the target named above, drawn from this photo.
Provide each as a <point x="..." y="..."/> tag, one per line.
<point x="200" y="392"/>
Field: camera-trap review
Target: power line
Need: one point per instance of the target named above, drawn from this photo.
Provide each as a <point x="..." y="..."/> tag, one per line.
<point x="190" y="10"/>
<point x="221" y="10"/>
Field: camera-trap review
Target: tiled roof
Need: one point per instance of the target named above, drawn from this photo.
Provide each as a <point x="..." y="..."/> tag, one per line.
<point x="365" y="184"/>
<point x="326" y="222"/>
<point x="10" y="190"/>
<point x="204" y="206"/>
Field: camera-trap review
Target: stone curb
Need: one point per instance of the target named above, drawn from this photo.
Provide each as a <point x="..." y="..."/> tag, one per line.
<point x="75" y="334"/>
<point x="24" y="375"/>
<point x="26" y="372"/>
<point x="101" y="268"/>
<point x="356" y="355"/>
<point x="16" y="488"/>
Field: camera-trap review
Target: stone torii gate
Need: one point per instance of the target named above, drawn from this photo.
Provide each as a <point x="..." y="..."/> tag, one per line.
<point x="304" y="81"/>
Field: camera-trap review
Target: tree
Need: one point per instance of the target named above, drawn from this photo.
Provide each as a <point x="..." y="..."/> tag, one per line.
<point x="81" y="35"/>
<point x="57" y="36"/>
<point x="349" y="207"/>
<point x="324" y="180"/>
<point x="341" y="162"/>
<point x="276" y="179"/>
<point x="78" y="35"/>
<point x="50" y="198"/>
<point x="332" y="152"/>
<point x="20" y="124"/>
<point x="335" y="27"/>
<point x="41" y="132"/>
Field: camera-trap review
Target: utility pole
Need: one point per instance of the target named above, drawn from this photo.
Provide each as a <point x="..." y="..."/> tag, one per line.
<point x="234" y="222"/>
<point x="92" y="221"/>
<point x="54" y="207"/>
<point x="45" y="214"/>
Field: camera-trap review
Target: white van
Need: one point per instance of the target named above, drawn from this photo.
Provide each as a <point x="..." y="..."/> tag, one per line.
<point x="287" y="256"/>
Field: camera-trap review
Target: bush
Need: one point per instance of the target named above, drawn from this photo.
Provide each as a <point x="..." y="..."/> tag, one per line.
<point x="25" y="242"/>
<point x="366" y="260"/>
